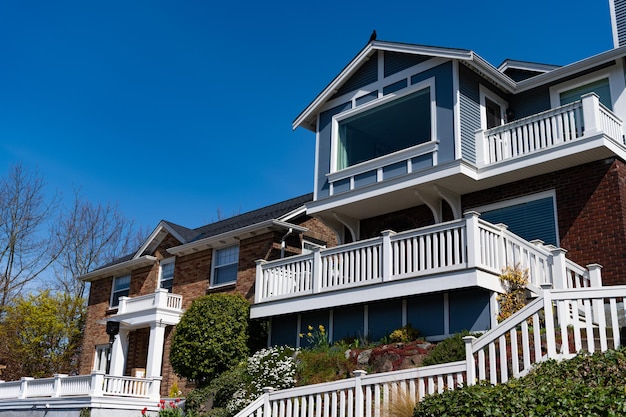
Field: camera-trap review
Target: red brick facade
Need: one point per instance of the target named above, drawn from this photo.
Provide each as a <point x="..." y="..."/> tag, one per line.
<point x="192" y="273"/>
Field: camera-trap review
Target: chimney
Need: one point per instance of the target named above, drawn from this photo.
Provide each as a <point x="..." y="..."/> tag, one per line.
<point x="618" y="22"/>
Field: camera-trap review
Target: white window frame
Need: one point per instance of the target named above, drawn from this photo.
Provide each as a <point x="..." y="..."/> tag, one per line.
<point x="113" y="291"/>
<point x="162" y="263"/>
<point x="338" y="118"/>
<point x="525" y="199"/>
<point x="214" y="266"/>
<point x="616" y="85"/>
<point x="313" y="245"/>
<point x="484" y="93"/>
<point x="101" y="357"/>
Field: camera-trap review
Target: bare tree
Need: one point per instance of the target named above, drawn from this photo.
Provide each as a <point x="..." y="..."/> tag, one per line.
<point x="92" y="235"/>
<point x="27" y="247"/>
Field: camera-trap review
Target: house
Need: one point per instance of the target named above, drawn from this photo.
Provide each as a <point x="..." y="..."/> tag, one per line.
<point x="145" y="293"/>
<point x="422" y="155"/>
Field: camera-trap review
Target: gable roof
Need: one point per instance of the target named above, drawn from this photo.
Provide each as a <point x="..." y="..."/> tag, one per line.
<point x="275" y="216"/>
<point x="546" y="73"/>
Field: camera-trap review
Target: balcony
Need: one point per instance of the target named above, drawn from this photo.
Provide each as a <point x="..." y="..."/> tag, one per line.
<point x="150" y="308"/>
<point x="560" y="138"/>
<point x="463" y="253"/>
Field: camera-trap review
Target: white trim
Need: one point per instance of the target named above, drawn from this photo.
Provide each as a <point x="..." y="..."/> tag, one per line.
<point x="614" y="23"/>
<point x="521" y="200"/>
<point x="338" y="118"/>
<point x="161" y="229"/>
<point x="213" y="266"/>
<point x="610" y="73"/>
<point x="162" y="262"/>
<point x="456" y="105"/>
<point x="484" y="93"/>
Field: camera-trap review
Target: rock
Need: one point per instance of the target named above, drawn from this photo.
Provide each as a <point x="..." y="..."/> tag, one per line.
<point x="364" y="357"/>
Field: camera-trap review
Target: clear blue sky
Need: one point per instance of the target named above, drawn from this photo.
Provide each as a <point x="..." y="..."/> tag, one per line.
<point x="178" y="109"/>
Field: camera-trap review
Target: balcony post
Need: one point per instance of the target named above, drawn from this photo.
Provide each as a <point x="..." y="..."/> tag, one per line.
<point x="473" y="238"/>
<point x="259" y="291"/>
<point x="595" y="275"/>
<point x="387" y="255"/>
<point x="96" y="386"/>
<point x="121" y="308"/>
<point x="470" y="364"/>
<point x="267" y="407"/>
<point x="155" y="389"/>
<point x="316" y="272"/>
<point x="118" y="352"/>
<point x="56" y="390"/>
<point x="549" y="319"/>
<point x="358" y="393"/>
<point x="559" y="270"/>
<point x="591" y="113"/>
<point x="155" y="350"/>
<point x="160" y="297"/>
<point x="481" y="148"/>
<point x="24" y="386"/>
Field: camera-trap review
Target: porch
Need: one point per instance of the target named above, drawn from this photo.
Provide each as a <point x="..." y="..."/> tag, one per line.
<point x="469" y="252"/>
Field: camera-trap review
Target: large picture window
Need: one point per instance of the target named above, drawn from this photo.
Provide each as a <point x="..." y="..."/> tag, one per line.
<point x="387" y="128"/>
<point x="225" y="265"/>
<point x="121" y="288"/>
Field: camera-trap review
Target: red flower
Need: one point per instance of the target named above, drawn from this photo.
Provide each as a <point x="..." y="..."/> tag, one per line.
<point x="144" y="411"/>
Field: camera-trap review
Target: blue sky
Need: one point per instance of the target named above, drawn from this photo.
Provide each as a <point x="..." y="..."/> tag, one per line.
<point x="179" y="109"/>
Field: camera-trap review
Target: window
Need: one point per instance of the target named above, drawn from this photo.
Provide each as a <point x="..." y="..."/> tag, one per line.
<point x="309" y="245"/>
<point x="600" y="87"/>
<point x="492" y="109"/>
<point x="166" y="278"/>
<point x="531" y="217"/>
<point x="121" y="288"/>
<point x="102" y="358"/>
<point x="397" y="124"/>
<point x="225" y="264"/>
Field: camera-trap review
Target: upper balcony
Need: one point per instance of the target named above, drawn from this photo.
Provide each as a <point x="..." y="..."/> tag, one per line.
<point x="160" y="306"/>
<point x="570" y="135"/>
<point x="459" y="254"/>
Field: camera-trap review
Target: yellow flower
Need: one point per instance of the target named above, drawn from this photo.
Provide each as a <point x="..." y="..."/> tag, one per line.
<point x="310" y="327"/>
<point x="301" y="335"/>
<point x="322" y="328"/>
<point x="309" y="334"/>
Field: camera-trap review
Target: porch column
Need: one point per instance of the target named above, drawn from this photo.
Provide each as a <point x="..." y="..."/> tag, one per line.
<point x="155" y="350"/>
<point x="118" y="353"/>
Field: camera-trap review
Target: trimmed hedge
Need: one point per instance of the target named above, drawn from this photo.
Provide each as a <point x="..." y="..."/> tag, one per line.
<point x="587" y="385"/>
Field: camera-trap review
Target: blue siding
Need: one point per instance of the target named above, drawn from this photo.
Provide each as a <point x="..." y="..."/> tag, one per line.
<point x="394" y="170"/>
<point x="530" y="102"/>
<point x="396" y="62"/>
<point x="421" y="162"/>
<point x="364" y="179"/>
<point x="366" y="98"/>
<point x="284" y="330"/>
<point x="341" y="186"/>
<point x="392" y="88"/>
<point x="469" y="310"/>
<point x="469" y="105"/>
<point x="531" y="220"/>
<point x="384" y="318"/>
<point x="313" y="319"/>
<point x="426" y="314"/>
<point x="348" y="323"/>
<point x="367" y="74"/>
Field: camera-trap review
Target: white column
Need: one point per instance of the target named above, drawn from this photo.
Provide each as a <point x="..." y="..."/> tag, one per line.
<point x="591" y="113"/>
<point x="118" y="353"/>
<point x="155" y="350"/>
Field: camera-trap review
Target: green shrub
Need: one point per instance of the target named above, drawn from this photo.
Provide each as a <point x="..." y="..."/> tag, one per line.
<point x="211" y="337"/>
<point x="316" y="366"/>
<point x="451" y="349"/>
<point x="216" y="395"/>
<point x="587" y="385"/>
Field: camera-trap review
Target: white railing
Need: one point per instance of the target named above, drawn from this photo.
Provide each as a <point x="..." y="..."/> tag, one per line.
<point x="94" y="385"/>
<point x="469" y="243"/>
<point x="548" y="129"/>
<point x="161" y="298"/>
<point x="380" y="169"/>
<point x="555" y="325"/>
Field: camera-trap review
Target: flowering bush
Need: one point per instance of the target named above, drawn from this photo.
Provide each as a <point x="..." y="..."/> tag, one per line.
<point x="167" y="409"/>
<point x="514" y="281"/>
<point x="317" y="338"/>
<point x="274" y="367"/>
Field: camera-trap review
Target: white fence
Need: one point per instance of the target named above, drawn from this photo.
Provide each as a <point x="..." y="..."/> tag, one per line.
<point x="555" y="325"/>
<point x="461" y="244"/>
<point x="161" y="298"/>
<point x="95" y="385"/>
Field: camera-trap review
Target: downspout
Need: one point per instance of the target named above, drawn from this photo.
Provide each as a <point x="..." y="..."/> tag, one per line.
<point x="282" y="243"/>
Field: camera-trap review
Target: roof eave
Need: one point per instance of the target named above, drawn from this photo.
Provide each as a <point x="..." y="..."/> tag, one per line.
<point x="225" y="238"/>
<point x="118" y="269"/>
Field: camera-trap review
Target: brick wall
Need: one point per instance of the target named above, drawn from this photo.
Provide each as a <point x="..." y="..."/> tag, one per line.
<point x="591" y="212"/>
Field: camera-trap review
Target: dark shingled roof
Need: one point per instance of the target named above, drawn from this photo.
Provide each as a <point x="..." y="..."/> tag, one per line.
<point x="271" y="212"/>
